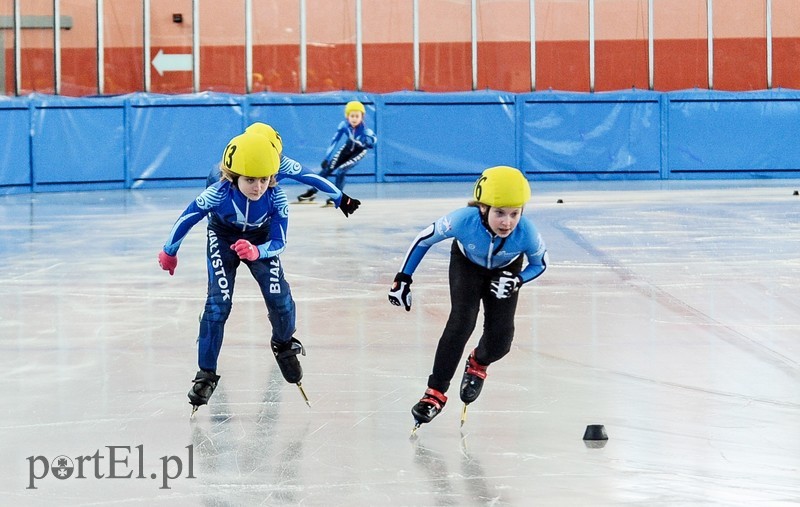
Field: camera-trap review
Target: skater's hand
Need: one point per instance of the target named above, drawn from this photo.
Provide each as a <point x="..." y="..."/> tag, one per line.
<point x="348" y="205"/>
<point x="324" y="164"/>
<point x="505" y="284"/>
<point x="245" y="250"/>
<point x="400" y="293"/>
<point x="167" y="262"/>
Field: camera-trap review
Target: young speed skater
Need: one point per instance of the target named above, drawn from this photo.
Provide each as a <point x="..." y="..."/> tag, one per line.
<point x="490" y="238"/>
<point x="294" y="170"/>
<point x="358" y="139"/>
<point x="247" y="223"/>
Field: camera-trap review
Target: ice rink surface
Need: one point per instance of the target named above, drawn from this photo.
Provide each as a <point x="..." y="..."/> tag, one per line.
<point x="670" y="313"/>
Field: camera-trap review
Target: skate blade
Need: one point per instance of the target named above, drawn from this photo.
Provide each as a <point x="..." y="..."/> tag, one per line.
<point x="194" y="409"/>
<point x="303" y="392"/>
<point x="463" y="414"/>
<point x="417" y="424"/>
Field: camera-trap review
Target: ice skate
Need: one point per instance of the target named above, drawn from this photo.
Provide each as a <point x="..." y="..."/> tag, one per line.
<point x="307" y="196"/>
<point x="471" y="383"/>
<point x="427" y="408"/>
<point x="286" y="356"/>
<point x="329" y="204"/>
<point x="204" y="384"/>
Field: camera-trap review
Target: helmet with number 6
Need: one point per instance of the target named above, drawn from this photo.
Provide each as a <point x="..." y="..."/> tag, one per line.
<point x="502" y="187"/>
<point x="271" y="133"/>
<point x="251" y="155"/>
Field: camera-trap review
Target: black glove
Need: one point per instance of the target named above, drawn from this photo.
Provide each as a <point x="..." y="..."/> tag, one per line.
<point x="505" y="284"/>
<point x="324" y="164"/>
<point x="348" y="205"/>
<point x="400" y="293"/>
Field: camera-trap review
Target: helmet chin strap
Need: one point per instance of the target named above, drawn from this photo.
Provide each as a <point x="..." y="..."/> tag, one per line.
<point x="485" y="218"/>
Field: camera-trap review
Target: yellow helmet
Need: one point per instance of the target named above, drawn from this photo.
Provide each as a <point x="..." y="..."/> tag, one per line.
<point x="354" y="105"/>
<point x="271" y="133"/>
<point x="502" y="187"/>
<point x="251" y="155"/>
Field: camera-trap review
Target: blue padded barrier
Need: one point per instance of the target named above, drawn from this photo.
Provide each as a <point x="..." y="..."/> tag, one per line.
<point x="442" y="137"/>
<point x="614" y="135"/>
<point x="734" y="135"/>
<point x="77" y="142"/>
<point x="175" y="140"/>
<point x="307" y="123"/>
<point x="15" y="152"/>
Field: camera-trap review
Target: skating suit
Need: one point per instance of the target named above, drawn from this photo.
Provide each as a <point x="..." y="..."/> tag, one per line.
<point x="476" y="256"/>
<point x="293" y="170"/>
<point x="232" y="216"/>
<point x="357" y="141"/>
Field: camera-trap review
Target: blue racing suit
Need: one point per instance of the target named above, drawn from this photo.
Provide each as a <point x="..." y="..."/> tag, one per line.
<point x="357" y="141"/>
<point x="476" y="257"/>
<point x="293" y="170"/>
<point x="232" y="216"/>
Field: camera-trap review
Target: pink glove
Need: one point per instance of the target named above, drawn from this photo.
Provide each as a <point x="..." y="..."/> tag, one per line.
<point x="167" y="262"/>
<point x="245" y="250"/>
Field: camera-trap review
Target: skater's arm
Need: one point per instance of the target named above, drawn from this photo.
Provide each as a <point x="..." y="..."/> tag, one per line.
<point x="278" y="225"/>
<point x="536" y="254"/>
<point x="340" y="131"/>
<point x="434" y="233"/>
<point x="294" y="170"/>
<point x="195" y="212"/>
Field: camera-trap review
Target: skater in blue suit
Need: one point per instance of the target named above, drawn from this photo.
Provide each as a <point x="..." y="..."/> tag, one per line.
<point x="294" y="170"/>
<point x="247" y="224"/>
<point x="491" y="239"/>
<point x="357" y="140"/>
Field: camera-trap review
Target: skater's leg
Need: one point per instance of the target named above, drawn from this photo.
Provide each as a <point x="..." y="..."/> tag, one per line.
<point x="466" y="282"/>
<point x="348" y="161"/>
<point x="221" y="263"/>
<point x="498" y="323"/>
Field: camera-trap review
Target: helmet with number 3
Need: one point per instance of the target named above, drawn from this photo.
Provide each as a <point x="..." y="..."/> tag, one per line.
<point x="267" y="130"/>
<point x="251" y="155"/>
<point x="502" y="187"/>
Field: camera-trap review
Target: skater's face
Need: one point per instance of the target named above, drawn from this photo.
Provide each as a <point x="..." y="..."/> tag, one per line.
<point x="503" y="221"/>
<point x="354" y="118"/>
<point x="254" y="188"/>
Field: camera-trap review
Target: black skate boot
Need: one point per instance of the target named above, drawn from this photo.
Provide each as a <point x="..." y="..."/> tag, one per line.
<point x="472" y="381"/>
<point x="204" y="384"/>
<point x="286" y="355"/>
<point x="428" y="407"/>
<point x="307" y="196"/>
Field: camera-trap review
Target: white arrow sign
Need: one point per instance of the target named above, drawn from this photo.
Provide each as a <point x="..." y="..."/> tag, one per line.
<point x="168" y="63"/>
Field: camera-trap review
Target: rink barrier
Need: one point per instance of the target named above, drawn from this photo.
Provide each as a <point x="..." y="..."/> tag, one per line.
<point x="56" y="143"/>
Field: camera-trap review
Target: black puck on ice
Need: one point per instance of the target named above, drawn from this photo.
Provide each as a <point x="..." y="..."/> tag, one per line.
<point x="795" y="193"/>
<point x="595" y="432"/>
<point x="560" y="201"/>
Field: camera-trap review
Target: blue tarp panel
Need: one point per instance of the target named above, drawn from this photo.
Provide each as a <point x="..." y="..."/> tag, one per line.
<point x="307" y="123"/>
<point x="15" y="153"/>
<point x="588" y="136"/>
<point x="725" y="132"/>
<point x="77" y="141"/>
<point x="180" y="138"/>
<point x="444" y="136"/>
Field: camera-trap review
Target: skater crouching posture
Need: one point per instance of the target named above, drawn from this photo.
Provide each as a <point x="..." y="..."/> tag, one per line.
<point x="490" y="238"/>
<point x="294" y="170"/>
<point x="247" y="223"/>
<point x="358" y="139"/>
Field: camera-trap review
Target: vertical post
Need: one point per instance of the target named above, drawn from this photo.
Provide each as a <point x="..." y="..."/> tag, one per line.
<point x="303" y="48"/>
<point x="359" y="48"/>
<point x="57" y="47"/>
<point x="415" y="45"/>
<point x="100" y="48"/>
<point x="473" y="15"/>
<point x="532" y="4"/>
<point x="650" y="46"/>
<point x="248" y="45"/>
<point x="146" y="43"/>
<point x="195" y="46"/>
<point x="769" y="44"/>
<point x="591" y="45"/>
<point x="710" y="24"/>
<point x="17" y="49"/>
